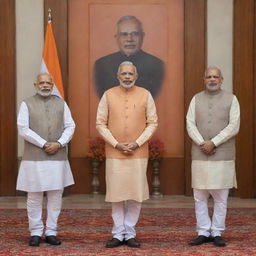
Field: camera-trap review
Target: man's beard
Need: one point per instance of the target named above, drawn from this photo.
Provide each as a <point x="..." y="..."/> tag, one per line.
<point x="213" y="87"/>
<point x="45" y="93"/>
<point x="127" y="86"/>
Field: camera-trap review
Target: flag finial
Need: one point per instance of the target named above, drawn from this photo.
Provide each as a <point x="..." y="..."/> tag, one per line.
<point x="49" y="15"/>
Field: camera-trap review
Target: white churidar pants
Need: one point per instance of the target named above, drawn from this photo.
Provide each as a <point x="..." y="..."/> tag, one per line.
<point x="34" y="209"/>
<point x="125" y="215"/>
<point x="205" y="226"/>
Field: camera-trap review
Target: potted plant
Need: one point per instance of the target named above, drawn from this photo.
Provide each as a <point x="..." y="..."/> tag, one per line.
<point x="156" y="150"/>
<point x="96" y="154"/>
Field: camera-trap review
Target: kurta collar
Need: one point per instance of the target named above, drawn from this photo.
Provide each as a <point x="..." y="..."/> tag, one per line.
<point x="129" y="90"/>
<point x="213" y="93"/>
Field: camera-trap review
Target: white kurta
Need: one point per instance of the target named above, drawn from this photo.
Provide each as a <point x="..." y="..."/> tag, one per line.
<point x="214" y="174"/>
<point x="38" y="176"/>
<point x="126" y="178"/>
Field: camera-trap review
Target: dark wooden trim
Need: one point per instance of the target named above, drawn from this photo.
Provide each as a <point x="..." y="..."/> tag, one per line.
<point x="59" y="10"/>
<point x="244" y="76"/>
<point x="195" y="59"/>
<point x="8" y="137"/>
<point x="254" y="99"/>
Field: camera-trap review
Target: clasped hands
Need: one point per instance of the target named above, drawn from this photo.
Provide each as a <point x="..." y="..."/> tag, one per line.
<point x="208" y="147"/>
<point x="51" y="148"/>
<point x="127" y="148"/>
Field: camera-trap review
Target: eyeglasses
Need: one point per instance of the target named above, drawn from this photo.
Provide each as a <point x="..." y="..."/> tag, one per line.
<point x="45" y="82"/>
<point x="132" y="34"/>
<point x="216" y="77"/>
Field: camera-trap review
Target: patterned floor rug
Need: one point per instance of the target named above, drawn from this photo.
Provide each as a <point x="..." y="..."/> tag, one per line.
<point x="162" y="232"/>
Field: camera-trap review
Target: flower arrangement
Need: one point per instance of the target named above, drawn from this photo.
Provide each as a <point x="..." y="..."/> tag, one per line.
<point x="156" y="149"/>
<point x="96" y="149"/>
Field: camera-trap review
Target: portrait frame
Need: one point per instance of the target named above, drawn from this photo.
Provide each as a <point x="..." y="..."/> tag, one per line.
<point x="86" y="46"/>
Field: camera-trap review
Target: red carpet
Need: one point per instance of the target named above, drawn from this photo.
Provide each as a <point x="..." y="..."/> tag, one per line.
<point x="160" y="231"/>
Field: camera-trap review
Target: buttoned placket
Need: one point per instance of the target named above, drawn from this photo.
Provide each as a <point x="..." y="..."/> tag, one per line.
<point x="210" y="104"/>
<point x="47" y="112"/>
<point x="126" y="108"/>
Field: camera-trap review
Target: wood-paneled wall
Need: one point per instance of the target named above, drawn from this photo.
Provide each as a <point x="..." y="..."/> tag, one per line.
<point x="8" y="138"/>
<point x="175" y="179"/>
<point x="244" y="88"/>
<point x="195" y="60"/>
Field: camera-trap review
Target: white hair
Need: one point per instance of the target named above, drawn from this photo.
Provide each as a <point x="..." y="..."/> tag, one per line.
<point x="213" y="67"/>
<point x="42" y="74"/>
<point x="126" y="63"/>
<point x="132" y="18"/>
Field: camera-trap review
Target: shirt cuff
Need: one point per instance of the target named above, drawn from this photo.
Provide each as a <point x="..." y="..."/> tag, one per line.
<point x="42" y="142"/>
<point x="61" y="145"/>
<point x="214" y="142"/>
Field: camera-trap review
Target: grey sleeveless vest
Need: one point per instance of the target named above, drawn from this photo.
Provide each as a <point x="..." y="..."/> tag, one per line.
<point x="46" y="117"/>
<point x="212" y="116"/>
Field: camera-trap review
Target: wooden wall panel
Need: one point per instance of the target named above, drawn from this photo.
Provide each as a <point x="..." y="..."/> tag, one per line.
<point x="173" y="173"/>
<point x="80" y="63"/>
<point x="8" y="139"/>
<point x="195" y="60"/>
<point x="172" y="176"/>
<point x="254" y="101"/>
<point x="244" y="80"/>
<point x="195" y="50"/>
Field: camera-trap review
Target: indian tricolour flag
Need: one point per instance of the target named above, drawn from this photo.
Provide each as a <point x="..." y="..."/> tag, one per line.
<point x="50" y="61"/>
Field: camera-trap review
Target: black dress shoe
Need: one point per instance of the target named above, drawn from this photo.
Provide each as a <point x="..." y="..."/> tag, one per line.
<point x="34" y="241"/>
<point x="52" y="240"/>
<point x="218" y="241"/>
<point x="114" y="242"/>
<point x="200" y="240"/>
<point x="132" y="242"/>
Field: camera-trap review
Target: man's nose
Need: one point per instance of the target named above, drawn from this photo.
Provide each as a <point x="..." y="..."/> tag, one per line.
<point x="129" y="37"/>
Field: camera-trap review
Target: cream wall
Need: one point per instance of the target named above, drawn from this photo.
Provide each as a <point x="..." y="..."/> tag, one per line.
<point x="29" y="44"/>
<point x="220" y="38"/>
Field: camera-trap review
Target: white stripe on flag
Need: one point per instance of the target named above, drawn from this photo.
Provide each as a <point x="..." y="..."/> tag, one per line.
<point x="44" y="69"/>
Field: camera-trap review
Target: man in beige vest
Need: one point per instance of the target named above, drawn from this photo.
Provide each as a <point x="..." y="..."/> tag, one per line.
<point x="46" y="124"/>
<point x="213" y="120"/>
<point x="126" y="119"/>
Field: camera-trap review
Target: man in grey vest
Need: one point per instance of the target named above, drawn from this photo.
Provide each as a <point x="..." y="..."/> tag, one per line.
<point x="46" y="125"/>
<point x="213" y="120"/>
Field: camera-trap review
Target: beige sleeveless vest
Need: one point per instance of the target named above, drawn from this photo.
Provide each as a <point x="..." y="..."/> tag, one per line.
<point x="127" y="118"/>
<point x="46" y="119"/>
<point x="212" y="116"/>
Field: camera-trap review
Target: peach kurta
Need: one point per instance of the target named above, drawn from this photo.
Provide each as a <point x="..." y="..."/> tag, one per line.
<point x="126" y="115"/>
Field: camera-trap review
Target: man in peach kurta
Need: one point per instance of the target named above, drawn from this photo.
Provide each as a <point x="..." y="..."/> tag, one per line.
<point x="126" y="119"/>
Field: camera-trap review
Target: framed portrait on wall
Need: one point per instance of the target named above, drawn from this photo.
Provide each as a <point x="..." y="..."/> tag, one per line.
<point x="102" y="34"/>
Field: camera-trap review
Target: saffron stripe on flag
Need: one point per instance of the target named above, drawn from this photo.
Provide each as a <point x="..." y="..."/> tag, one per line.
<point x="50" y="61"/>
